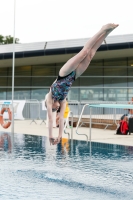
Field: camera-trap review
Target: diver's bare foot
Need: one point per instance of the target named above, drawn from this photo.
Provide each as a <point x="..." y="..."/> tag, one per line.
<point x="109" y="27"/>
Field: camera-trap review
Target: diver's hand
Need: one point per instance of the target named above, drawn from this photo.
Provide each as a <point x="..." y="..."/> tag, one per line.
<point x="58" y="139"/>
<point x="52" y="140"/>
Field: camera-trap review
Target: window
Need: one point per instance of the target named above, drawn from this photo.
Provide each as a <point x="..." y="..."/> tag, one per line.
<point x="39" y="94"/>
<point x="91" y="94"/>
<point x="19" y="93"/>
<point x="115" y="62"/>
<point x="115" y="94"/>
<point x="43" y="70"/>
<point x="115" y="71"/>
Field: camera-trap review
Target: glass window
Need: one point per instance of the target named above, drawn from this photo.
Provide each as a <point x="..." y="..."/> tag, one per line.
<point x="3" y="71"/>
<point x="39" y="94"/>
<point x="115" y="71"/>
<point x="20" y="81"/>
<point x="73" y="94"/>
<point x="2" y="93"/>
<point x="130" y="61"/>
<point x="43" y="81"/>
<point x="58" y="67"/>
<point x="3" y="81"/>
<point x="44" y="70"/>
<point x="115" y="62"/>
<point x="130" y="71"/>
<point x="115" y="82"/>
<point x="96" y="63"/>
<point x="93" y="71"/>
<point x="91" y="81"/>
<point x="130" y="94"/>
<point x="130" y="82"/>
<point x="115" y="94"/>
<point x="85" y="94"/>
<point x="91" y="94"/>
<point x="19" y="93"/>
<point x="20" y="71"/>
<point x="76" y="82"/>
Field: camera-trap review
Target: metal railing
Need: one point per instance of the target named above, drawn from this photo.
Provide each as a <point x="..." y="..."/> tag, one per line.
<point x="103" y="116"/>
<point x="42" y="112"/>
<point x="31" y="110"/>
<point x="67" y="120"/>
<point x="74" y="107"/>
<point x="80" y="120"/>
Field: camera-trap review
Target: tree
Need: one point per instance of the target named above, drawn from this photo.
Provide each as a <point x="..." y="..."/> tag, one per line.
<point x="1" y="39"/>
<point x="7" y="39"/>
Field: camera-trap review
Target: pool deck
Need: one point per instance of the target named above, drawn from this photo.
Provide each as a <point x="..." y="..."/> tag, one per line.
<point x="97" y="135"/>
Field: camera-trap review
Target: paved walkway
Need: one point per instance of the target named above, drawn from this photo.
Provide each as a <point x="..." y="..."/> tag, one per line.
<point x="98" y="135"/>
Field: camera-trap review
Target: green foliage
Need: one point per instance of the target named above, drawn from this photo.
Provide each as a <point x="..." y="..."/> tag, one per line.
<point x="8" y="39"/>
<point x="1" y="39"/>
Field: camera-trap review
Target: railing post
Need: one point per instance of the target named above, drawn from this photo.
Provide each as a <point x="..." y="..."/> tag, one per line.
<point x="71" y="125"/>
<point x="90" y="131"/>
<point x="79" y="121"/>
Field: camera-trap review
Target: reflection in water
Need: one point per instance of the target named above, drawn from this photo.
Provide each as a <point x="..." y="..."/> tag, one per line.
<point x="5" y="141"/>
<point x="39" y="170"/>
<point x="63" y="147"/>
<point x="40" y="144"/>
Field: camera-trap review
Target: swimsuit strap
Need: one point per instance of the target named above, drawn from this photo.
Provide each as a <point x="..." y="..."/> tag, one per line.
<point x="61" y="77"/>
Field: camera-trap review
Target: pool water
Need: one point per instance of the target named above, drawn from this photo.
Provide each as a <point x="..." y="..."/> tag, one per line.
<point x="32" y="169"/>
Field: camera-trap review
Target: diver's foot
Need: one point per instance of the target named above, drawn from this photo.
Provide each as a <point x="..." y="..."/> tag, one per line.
<point x="109" y="27"/>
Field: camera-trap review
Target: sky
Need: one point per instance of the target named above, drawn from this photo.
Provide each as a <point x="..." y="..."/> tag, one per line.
<point x="51" y="20"/>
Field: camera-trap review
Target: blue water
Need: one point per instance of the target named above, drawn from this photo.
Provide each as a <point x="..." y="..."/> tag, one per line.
<point x="32" y="169"/>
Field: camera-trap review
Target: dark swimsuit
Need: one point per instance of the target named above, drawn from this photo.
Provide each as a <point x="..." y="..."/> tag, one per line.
<point x="61" y="87"/>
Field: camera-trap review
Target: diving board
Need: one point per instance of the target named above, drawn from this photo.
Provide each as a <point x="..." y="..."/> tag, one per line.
<point x="124" y="106"/>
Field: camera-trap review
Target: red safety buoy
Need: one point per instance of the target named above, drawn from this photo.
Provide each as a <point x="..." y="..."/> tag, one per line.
<point x="2" y="122"/>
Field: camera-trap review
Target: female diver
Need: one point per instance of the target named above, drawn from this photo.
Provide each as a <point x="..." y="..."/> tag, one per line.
<point x="70" y="71"/>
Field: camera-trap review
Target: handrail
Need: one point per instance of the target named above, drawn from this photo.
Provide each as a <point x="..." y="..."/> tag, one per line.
<point x="80" y="120"/>
<point x="70" y="112"/>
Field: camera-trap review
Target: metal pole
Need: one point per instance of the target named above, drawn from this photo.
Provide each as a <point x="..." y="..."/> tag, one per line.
<point x="90" y="132"/>
<point x="13" y="66"/>
<point x="71" y="133"/>
<point x="71" y="125"/>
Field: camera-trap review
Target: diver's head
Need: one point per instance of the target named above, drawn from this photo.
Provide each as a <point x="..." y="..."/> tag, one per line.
<point x="55" y="106"/>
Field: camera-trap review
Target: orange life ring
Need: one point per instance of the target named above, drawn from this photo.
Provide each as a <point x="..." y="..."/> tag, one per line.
<point x="5" y="124"/>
